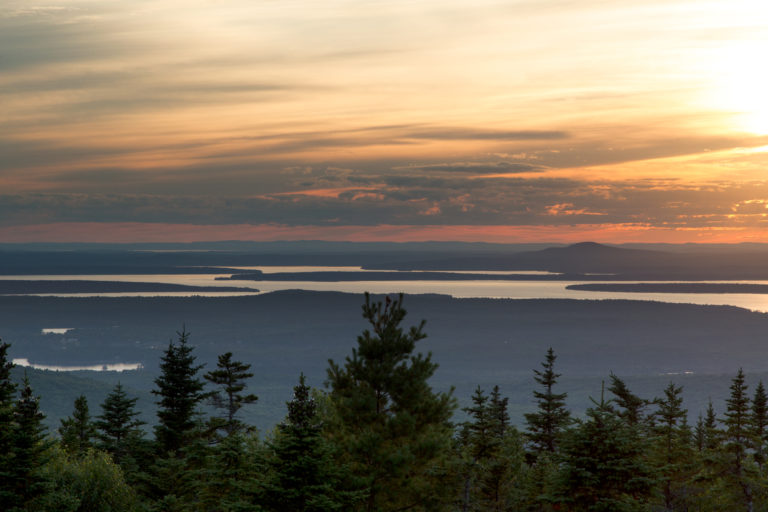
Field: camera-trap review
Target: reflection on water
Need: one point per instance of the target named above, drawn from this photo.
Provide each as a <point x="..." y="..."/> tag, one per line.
<point x="496" y="289"/>
<point x="58" y="330"/>
<point x="117" y="367"/>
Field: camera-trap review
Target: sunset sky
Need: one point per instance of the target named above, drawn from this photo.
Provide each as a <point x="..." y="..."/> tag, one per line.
<point x="500" y="121"/>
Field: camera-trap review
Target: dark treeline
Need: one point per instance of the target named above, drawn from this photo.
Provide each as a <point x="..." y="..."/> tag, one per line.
<point x="378" y="438"/>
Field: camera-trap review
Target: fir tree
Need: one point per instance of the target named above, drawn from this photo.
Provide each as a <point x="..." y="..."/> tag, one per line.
<point x="492" y="455"/>
<point x="498" y="411"/>
<point x="546" y="425"/>
<point x="759" y="423"/>
<point x="180" y="393"/>
<point x="672" y="454"/>
<point x="304" y="476"/>
<point x="393" y="428"/>
<point x="118" y="425"/>
<point x="713" y="435"/>
<point x="631" y="406"/>
<point x="29" y="448"/>
<point x="7" y="398"/>
<point x="603" y="467"/>
<point x="230" y="376"/>
<point x="738" y="439"/>
<point x="77" y="431"/>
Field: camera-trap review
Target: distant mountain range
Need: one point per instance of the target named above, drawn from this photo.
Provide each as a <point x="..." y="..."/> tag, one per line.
<point x="623" y="263"/>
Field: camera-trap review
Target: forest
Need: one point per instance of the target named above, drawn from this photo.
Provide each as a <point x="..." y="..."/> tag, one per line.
<point x="377" y="437"/>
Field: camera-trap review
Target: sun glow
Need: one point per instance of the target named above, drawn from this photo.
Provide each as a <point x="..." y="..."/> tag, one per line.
<point x="742" y="84"/>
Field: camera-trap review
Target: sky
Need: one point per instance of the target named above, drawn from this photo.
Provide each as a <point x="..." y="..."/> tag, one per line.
<point x="482" y="120"/>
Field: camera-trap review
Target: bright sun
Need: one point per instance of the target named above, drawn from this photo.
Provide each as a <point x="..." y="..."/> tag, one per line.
<point x="742" y="84"/>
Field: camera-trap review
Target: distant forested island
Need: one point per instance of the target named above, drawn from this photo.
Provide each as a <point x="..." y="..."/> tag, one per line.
<point x="11" y="287"/>
<point x="672" y="287"/>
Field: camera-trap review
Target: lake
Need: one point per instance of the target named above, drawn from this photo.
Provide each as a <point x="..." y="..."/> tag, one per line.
<point x="501" y="289"/>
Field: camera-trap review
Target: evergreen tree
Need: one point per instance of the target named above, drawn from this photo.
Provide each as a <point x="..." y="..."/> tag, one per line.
<point x="304" y="476"/>
<point x="498" y="411"/>
<point x="546" y="425"/>
<point x="180" y="393"/>
<point x="738" y="440"/>
<point x="119" y="428"/>
<point x="29" y="448"/>
<point x="700" y="434"/>
<point x="631" y="406"/>
<point x="393" y="428"/>
<point x="672" y="450"/>
<point x="492" y="455"/>
<point x="7" y="398"/>
<point x="603" y="467"/>
<point x="713" y="435"/>
<point x="230" y="376"/>
<point x="77" y="431"/>
<point x="759" y="423"/>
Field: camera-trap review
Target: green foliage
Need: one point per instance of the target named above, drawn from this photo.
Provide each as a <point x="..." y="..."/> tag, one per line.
<point x="630" y="405"/>
<point x="119" y="430"/>
<point x="29" y="450"/>
<point x="87" y="482"/>
<point x="759" y="423"/>
<point x="304" y="476"/>
<point x="180" y="393"/>
<point x="77" y="431"/>
<point x="7" y="396"/>
<point x="546" y="425"/>
<point x="230" y="376"/>
<point x="672" y="451"/>
<point x="391" y="428"/>
<point x="603" y="466"/>
<point x="491" y="456"/>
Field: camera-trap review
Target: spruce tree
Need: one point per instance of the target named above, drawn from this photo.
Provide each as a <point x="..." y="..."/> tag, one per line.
<point x="491" y="453"/>
<point x="602" y="464"/>
<point x="546" y="425"/>
<point x="713" y="435"/>
<point x="118" y="425"/>
<point x="180" y="393"/>
<point x="77" y="431"/>
<point x="29" y="449"/>
<point x="7" y="399"/>
<point x="394" y="430"/>
<point x="738" y="440"/>
<point x="630" y="405"/>
<point x="672" y="451"/>
<point x="230" y="376"/>
<point x="759" y="423"/>
<point x="304" y="476"/>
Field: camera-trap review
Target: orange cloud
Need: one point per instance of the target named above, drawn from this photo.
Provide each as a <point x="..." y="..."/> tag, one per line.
<point x="162" y="232"/>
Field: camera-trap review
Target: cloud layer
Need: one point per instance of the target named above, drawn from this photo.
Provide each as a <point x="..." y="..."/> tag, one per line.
<point x="529" y="115"/>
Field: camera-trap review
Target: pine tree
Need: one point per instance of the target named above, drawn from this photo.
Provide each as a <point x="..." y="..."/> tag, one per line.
<point x="393" y="428"/>
<point x="230" y="376"/>
<point x="118" y="425"/>
<point x="546" y="425"/>
<point x="759" y="423"/>
<point x="304" y="476"/>
<point x="77" y="431"/>
<point x="180" y="393"/>
<point x="7" y="398"/>
<point x="29" y="449"/>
